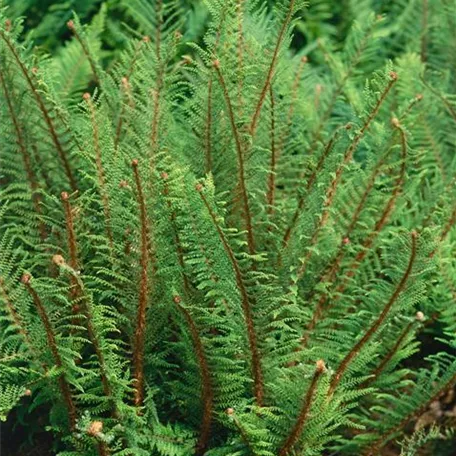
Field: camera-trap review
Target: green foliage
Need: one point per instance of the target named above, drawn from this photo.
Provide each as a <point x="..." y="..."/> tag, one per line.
<point x="212" y="243"/>
<point x="421" y="439"/>
<point x="10" y="395"/>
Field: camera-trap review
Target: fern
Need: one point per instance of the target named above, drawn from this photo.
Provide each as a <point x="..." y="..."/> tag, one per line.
<point x="213" y="242"/>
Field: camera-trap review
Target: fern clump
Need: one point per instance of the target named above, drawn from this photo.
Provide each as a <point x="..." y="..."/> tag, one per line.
<point x="227" y="246"/>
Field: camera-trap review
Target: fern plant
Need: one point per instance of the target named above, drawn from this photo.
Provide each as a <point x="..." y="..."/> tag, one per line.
<point x="228" y="247"/>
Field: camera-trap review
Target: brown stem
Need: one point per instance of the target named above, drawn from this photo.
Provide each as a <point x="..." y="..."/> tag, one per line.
<point x="298" y="427"/>
<point x="381" y="222"/>
<point x="338" y="90"/>
<point x="155" y="122"/>
<point x="255" y="355"/>
<point x="379" y="369"/>
<point x="138" y="350"/>
<point x="447" y="104"/>
<point x="374" y="448"/>
<point x="52" y="342"/>
<point x="86" y="51"/>
<point x="276" y="152"/>
<point x="39" y="163"/>
<point x="158" y="32"/>
<point x="449" y="225"/>
<point x="240" y="54"/>
<point x="11" y="309"/>
<point x="36" y="199"/>
<point x="244" y="435"/>
<point x="267" y="83"/>
<point x="331" y="193"/>
<point x="18" y="323"/>
<point x="208" y="142"/>
<point x="44" y="111"/>
<point x="207" y="393"/>
<point x="330" y="276"/>
<point x="294" y="96"/>
<point x="103" y="449"/>
<point x="100" y="171"/>
<point x="378" y="322"/>
<point x="78" y="292"/>
<point x="434" y="146"/>
<point x="208" y="139"/>
<point x="241" y="165"/>
<point x="127" y="78"/>
<point x="312" y="179"/>
<point x="177" y="238"/>
<point x="156" y="93"/>
<point x="71" y="234"/>
<point x="272" y="166"/>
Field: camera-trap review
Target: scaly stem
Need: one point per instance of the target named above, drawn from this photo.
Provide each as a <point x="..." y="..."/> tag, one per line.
<point x="270" y="74"/>
<point x="127" y="78"/>
<point x="177" y="238"/>
<point x="294" y="96"/>
<point x="240" y="54"/>
<point x="298" y="427"/>
<point x="272" y="166"/>
<point x="138" y="350"/>
<point x="18" y="323"/>
<point x="312" y="179"/>
<point x="375" y="447"/>
<point x="25" y="156"/>
<point x="447" y="104"/>
<point x="207" y="393"/>
<point x="379" y="369"/>
<point x="85" y="50"/>
<point x="52" y="342"/>
<point x="330" y="195"/>
<point x="449" y="225"/>
<point x="156" y="93"/>
<point x="377" y="324"/>
<point x="44" y="111"/>
<point x="208" y="137"/>
<point x="71" y="234"/>
<point x="334" y="269"/>
<point x="103" y="449"/>
<point x="381" y="222"/>
<point x="339" y="89"/>
<point x="251" y="332"/>
<point x="208" y="142"/>
<point x="78" y="292"/>
<point x="100" y="171"/>
<point x="241" y="166"/>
